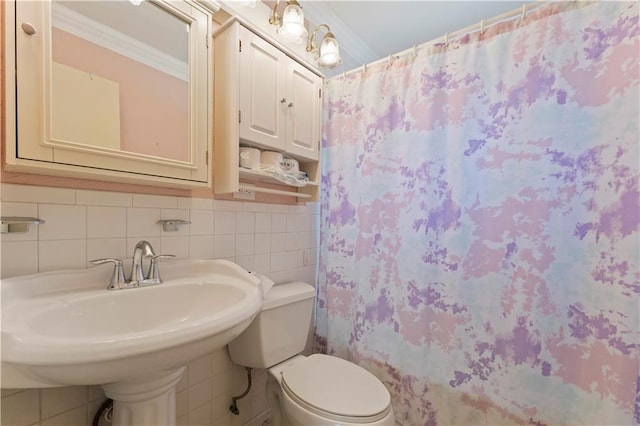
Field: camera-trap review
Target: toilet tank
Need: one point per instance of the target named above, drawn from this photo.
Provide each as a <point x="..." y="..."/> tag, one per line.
<point x="279" y="331"/>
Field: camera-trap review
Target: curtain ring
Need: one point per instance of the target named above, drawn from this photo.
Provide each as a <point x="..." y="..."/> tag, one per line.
<point x="364" y="68"/>
<point x="390" y="60"/>
<point x="481" y="27"/>
<point x="524" y="13"/>
<point x="446" y="39"/>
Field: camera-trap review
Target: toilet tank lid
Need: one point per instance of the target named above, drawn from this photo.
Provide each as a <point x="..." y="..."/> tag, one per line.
<point x="281" y="294"/>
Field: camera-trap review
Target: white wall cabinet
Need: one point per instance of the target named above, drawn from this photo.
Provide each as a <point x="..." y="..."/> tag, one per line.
<point x="95" y="98"/>
<point x="279" y="98"/>
<point x="263" y="98"/>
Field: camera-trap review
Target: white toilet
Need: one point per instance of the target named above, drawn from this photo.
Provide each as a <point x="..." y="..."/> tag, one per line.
<point x="307" y="391"/>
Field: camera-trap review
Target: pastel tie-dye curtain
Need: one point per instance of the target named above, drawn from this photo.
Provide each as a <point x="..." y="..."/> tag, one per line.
<point x="480" y="223"/>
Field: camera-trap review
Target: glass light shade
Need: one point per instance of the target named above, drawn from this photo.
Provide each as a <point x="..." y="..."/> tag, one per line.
<point x="329" y="52"/>
<point x="292" y="23"/>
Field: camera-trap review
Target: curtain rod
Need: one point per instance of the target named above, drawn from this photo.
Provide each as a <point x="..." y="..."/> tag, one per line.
<point x="482" y="26"/>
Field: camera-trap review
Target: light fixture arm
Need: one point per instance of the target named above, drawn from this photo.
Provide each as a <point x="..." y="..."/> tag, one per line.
<point x="275" y="17"/>
<point x="291" y="22"/>
<point x="312" y="47"/>
<point x="328" y="52"/>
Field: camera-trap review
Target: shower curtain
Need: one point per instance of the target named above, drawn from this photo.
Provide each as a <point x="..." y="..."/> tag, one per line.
<point x="480" y="222"/>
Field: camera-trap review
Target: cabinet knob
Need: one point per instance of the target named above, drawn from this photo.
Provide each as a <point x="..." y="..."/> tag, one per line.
<point x="283" y="100"/>
<point x="28" y="28"/>
<point x="290" y="105"/>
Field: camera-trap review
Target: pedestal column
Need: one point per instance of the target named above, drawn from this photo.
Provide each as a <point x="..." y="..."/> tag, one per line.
<point x="146" y="401"/>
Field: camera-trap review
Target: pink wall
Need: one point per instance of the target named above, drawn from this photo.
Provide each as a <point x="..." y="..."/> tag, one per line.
<point x="154" y="106"/>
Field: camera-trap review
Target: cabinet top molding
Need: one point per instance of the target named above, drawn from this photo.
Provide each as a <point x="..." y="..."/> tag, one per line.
<point x="267" y="32"/>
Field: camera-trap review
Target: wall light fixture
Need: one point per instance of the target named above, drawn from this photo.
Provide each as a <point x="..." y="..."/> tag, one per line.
<point x="291" y="24"/>
<point x="328" y="54"/>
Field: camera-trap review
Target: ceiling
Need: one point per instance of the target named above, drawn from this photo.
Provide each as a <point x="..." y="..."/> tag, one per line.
<point x="371" y="30"/>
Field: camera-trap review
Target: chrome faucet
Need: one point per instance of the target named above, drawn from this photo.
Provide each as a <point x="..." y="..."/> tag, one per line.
<point x="137" y="278"/>
<point x="142" y="249"/>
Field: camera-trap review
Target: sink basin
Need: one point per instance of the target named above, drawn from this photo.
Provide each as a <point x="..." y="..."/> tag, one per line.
<point x="166" y="309"/>
<point x="64" y="328"/>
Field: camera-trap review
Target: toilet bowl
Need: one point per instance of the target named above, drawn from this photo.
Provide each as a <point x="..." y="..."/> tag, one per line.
<point x="310" y="390"/>
<point x="326" y="390"/>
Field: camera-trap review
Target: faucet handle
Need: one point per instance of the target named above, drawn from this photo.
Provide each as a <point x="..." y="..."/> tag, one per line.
<point x="158" y="257"/>
<point x="117" y="277"/>
<point x="154" y="270"/>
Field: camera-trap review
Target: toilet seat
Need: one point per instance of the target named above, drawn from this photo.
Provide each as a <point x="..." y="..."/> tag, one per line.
<point x="336" y="389"/>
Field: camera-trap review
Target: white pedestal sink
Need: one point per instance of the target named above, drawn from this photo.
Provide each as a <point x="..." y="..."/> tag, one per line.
<point x="64" y="328"/>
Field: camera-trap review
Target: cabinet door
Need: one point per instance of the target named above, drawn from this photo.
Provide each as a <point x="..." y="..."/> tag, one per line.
<point x="304" y="102"/>
<point x="94" y="101"/>
<point x="262" y="97"/>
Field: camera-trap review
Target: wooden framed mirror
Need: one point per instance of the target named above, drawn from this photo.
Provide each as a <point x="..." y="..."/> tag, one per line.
<point x="111" y="90"/>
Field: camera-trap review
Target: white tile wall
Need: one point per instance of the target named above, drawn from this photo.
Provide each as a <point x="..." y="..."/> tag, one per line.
<point x="54" y="401"/>
<point x="106" y="222"/>
<point x="278" y="240"/>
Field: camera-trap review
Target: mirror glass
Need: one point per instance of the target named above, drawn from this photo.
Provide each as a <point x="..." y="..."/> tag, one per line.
<point x="120" y="78"/>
